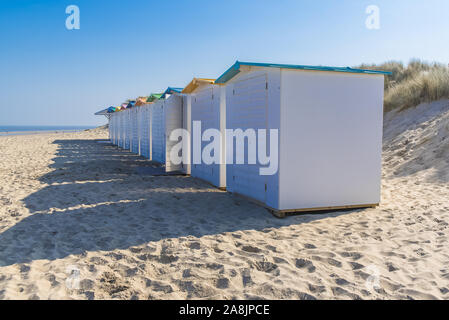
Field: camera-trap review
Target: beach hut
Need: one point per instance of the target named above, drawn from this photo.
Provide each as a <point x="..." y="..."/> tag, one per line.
<point x="134" y="127"/>
<point x="206" y="105"/>
<point x="123" y="126"/>
<point x="157" y="132"/>
<point x="135" y="144"/>
<point x="107" y="113"/>
<point x="116" y="126"/>
<point x="145" y="130"/>
<point x="128" y="128"/>
<point x="113" y="124"/>
<point x="327" y="128"/>
<point x="145" y="120"/>
<point x="141" y="101"/>
<point x="112" y="128"/>
<point x="166" y="117"/>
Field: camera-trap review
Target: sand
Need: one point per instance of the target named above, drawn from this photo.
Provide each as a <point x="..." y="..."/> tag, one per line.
<point x="77" y="222"/>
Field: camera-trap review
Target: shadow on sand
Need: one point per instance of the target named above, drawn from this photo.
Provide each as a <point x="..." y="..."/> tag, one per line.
<point x="94" y="200"/>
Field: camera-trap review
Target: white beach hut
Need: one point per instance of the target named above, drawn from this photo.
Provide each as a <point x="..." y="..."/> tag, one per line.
<point x="166" y="117"/>
<point x="141" y="101"/>
<point x="135" y="145"/>
<point x="121" y="117"/>
<point x="128" y="128"/>
<point x="107" y="113"/>
<point x="111" y="129"/>
<point x="186" y="125"/>
<point x="157" y="132"/>
<point x="125" y="126"/>
<point x="327" y="152"/>
<point x="145" y="131"/>
<point x="206" y="109"/>
<point x="146" y="121"/>
<point x="140" y="123"/>
<point x="116" y="127"/>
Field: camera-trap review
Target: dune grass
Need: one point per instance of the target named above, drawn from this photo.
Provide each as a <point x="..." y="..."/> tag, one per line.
<point x="412" y="84"/>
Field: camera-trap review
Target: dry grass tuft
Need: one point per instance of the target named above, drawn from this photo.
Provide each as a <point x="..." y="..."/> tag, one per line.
<point x="413" y="84"/>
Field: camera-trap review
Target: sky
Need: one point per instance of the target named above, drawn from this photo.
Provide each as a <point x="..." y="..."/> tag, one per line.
<point x="50" y="75"/>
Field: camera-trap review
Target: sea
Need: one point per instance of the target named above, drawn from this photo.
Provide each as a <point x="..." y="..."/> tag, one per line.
<point x="18" y="130"/>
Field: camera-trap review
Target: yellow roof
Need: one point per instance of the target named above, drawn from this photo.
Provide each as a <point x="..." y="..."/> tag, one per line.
<point x="195" y="84"/>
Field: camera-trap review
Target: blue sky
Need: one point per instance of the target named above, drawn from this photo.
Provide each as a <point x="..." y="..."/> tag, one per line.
<point x="53" y="76"/>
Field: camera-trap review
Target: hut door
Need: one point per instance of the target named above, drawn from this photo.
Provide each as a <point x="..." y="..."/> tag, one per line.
<point x="203" y="110"/>
<point x="173" y="121"/>
<point x="249" y="111"/>
<point x="158" y="146"/>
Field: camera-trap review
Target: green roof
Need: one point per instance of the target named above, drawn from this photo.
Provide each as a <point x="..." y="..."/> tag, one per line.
<point x="235" y="69"/>
<point x="154" y="96"/>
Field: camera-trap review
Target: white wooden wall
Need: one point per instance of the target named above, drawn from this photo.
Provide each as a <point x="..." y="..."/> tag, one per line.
<point x="173" y="120"/>
<point x="111" y="128"/>
<point x="331" y="139"/>
<point x="110" y="132"/>
<point x="117" y="124"/>
<point x="252" y="104"/>
<point x="127" y="114"/>
<point x="158" y="132"/>
<point x="187" y="125"/>
<point x="117" y="128"/>
<point x="145" y="131"/>
<point x="207" y="106"/>
<point x="122" y="129"/>
<point x="114" y="121"/>
<point x="140" y="115"/>
<point x="135" y="130"/>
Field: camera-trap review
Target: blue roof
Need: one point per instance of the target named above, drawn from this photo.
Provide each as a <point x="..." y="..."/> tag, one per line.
<point x="131" y="104"/>
<point x="171" y="90"/>
<point x="235" y="69"/>
<point x="102" y="112"/>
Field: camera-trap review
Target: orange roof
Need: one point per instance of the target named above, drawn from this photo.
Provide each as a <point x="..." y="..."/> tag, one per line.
<point x="195" y="83"/>
<point x="141" y="101"/>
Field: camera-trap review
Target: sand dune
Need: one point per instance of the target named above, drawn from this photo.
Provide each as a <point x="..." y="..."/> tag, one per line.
<point x="77" y="222"/>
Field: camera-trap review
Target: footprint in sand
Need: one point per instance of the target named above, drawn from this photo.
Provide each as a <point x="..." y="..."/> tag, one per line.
<point x="267" y="267"/>
<point x="305" y="264"/>
<point x="317" y="289"/>
<point x="251" y="249"/>
<point x="356" y="266"/>
<point x="159" y="286"/>
<point x="222" y="283"/>
<point x="279" y="260"/>
<point x="342" y="282"/>
<point x="352" y="255"/>
<point x="195" y="245"/>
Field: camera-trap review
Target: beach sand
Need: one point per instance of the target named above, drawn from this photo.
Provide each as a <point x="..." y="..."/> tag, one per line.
<point x="77" y="222"/>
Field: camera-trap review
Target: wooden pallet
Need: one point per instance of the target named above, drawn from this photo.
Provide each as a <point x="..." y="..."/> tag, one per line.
<point x="283" y="213"/>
